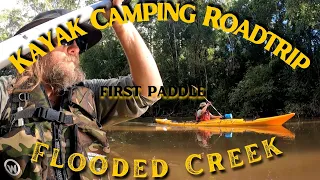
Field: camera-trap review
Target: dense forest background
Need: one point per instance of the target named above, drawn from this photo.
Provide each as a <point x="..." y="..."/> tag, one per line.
<point x="241" y="77"/>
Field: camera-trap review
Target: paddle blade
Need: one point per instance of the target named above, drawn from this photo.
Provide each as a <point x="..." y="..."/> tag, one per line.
<point x="228" y="116"/>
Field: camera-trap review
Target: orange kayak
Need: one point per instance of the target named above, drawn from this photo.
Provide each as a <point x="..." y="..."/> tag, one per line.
<point x="269" y="121"/>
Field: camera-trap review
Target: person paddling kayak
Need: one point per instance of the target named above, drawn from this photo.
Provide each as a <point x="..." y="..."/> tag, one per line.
<point x="203" y="114"/>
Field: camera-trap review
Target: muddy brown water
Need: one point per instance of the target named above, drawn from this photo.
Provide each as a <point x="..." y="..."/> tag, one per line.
<point x="298" y="141"/>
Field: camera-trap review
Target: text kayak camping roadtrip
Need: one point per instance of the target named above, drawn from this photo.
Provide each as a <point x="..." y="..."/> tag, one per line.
<point x="214" y="160"/>
<point x="142" y="12"/>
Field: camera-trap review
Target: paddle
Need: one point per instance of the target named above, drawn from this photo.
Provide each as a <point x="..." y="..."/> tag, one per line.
<point x="207" y="101"/>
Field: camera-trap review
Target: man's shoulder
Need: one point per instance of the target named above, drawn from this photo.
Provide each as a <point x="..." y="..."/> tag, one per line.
<point x="121" y="80"/>
<point x="199" y="112"/>
<point x="5" y="81"/>
<point x="8" y="77"/>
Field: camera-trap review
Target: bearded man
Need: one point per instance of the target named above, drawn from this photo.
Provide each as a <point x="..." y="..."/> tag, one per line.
<point x="51" y="105"/>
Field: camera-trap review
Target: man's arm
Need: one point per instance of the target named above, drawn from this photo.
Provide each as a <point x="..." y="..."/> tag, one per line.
<point x="5" y="82"/>
<point x="215" y="117"/>
<point x="204" y="109"/>
<point x="111" y="111"/>
<point x="143" y="67"/>
<point x="144" y="73"/>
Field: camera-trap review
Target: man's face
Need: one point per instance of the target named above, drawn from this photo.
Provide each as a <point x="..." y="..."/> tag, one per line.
<point x="62" y="66"/>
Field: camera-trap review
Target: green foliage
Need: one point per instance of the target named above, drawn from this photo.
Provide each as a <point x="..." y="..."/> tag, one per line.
<point x="256" y="92"/>
<point x="40" y="6"/>
<point x="11" y="21"/>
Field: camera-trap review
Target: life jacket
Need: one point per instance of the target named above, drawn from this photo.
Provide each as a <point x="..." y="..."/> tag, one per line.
<point x="205" y="116"/>
<point x="71" y="129"/>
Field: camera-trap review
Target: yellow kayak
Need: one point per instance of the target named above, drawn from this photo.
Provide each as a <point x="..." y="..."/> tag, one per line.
<point x="269" y="121"/>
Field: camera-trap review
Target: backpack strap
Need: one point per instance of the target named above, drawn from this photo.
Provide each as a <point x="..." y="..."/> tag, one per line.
<point x="15" y="101"/>
<point x="46" y="114"/>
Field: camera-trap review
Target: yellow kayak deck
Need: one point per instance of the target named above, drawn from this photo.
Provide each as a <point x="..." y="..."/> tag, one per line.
<point x="269" y="121"/>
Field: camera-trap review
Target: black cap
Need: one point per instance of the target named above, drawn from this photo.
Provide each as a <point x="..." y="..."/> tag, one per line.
<point x="93" y="37"/>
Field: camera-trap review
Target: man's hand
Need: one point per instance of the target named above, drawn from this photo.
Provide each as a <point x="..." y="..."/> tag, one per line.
<point x="117" y="3"/>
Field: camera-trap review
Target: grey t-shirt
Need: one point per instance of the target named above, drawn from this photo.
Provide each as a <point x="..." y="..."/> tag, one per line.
<point x="199" y="113"/>
<point x="109" y="111"/>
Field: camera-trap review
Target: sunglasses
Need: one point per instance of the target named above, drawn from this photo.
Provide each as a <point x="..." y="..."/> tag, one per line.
<point x="81" y="43"/>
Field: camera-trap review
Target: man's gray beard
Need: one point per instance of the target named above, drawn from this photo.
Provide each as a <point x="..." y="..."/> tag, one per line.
<point x="59" y="79"/>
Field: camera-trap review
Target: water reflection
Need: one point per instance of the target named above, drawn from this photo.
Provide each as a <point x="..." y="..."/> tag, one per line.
<point x="299" y="143"/>
<point x="203" y="137"/>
